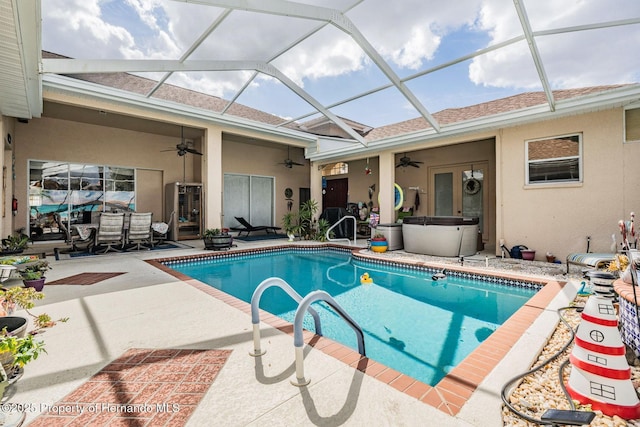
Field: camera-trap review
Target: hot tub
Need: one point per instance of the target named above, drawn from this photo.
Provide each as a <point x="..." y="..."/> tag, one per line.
<point x="448" y="236"/>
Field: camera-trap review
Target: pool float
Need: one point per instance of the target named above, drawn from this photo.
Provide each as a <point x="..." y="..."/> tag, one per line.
<point x="365" y="279"/>
<point x="584" y="290"/>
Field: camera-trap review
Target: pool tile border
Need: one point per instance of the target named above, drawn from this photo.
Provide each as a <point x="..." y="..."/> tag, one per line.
<point x="455" y="389"/>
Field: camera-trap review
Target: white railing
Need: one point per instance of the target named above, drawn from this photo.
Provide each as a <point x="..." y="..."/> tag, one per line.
<point x="355" y="230"/>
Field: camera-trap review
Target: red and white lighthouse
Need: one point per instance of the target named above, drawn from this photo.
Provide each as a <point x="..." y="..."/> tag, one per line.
<point x="600" y="374"/>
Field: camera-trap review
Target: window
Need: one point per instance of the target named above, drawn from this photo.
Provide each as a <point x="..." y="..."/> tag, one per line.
<point x="63" y="194"/>
<point x="632" y="125"/>
<point x="553" y="160"/>
<point x="339" y="168"/>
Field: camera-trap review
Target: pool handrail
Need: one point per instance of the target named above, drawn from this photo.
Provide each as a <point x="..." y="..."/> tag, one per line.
<point x="255" y="309"/>
<point x="355" y="230"/>
<point x="298" y="339"/>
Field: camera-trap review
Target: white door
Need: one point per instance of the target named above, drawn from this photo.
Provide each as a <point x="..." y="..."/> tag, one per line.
<point x="459" y="190"/>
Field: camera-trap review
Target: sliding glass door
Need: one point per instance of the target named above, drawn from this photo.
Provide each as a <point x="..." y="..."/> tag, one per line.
<point x="248" y="196"/>
<point x="62" y="194"/>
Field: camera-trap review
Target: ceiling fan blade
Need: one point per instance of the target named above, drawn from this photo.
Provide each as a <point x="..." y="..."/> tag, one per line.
<point x="414" y="164"/>
<point x="192" y="151"/>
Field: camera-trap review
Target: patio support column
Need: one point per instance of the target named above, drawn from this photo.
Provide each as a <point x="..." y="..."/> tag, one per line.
<point x="499" y="189"/>
<point x="212" y="177"/>
<point x="386" y="185"/>
<point x="315" y="180"/>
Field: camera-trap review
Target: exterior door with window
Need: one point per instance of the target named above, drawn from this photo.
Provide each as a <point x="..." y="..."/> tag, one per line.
<point x="459" y="190"/>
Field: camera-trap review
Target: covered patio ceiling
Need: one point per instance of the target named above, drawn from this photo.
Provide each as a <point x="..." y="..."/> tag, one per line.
<point x="373" y="62"/>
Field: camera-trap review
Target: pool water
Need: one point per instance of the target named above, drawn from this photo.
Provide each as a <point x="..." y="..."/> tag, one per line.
<point x="412" y="323"/>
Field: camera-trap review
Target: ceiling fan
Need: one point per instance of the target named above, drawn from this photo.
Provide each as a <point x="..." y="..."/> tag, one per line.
<point x="288" y="163"/>
<point x="406" y="161"/>
<point x="184" y="146"/>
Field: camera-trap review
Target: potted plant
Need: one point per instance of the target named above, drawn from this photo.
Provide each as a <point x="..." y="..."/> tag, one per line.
<point x="33" y="274"/>
<point x="216" y="239"/>
<point x="17" y="297"/>
<point x="290" y="225"/>
<point x="24" y="298"/>
<point x="379" y="243"/>
<point x="17" y="347"/>
<point x="14" y="244"/>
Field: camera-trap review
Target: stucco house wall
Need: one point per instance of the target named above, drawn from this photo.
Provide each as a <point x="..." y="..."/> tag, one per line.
<point x="68" y="141"/>
<point x="558" y="218"/>
<point x="262" y="159"/>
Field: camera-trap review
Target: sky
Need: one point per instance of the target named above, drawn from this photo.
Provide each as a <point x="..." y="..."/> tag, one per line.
<point x="416" y="38"/>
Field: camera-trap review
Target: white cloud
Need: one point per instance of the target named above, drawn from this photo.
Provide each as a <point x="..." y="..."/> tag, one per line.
<point x="407" y="33"/>
<point x="75" y="28"/>
<point x="315" y="58"/>
<point x="577" y="59"/>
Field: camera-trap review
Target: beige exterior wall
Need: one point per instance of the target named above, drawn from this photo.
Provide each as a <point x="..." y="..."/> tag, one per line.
<point x="463" y="153"/>
<point x="266" y="160"/>
<point x="68" y="141"/>
<point x="54" y="139"/>
<point x="558" y="218"/>
<point x="554" y="218"/>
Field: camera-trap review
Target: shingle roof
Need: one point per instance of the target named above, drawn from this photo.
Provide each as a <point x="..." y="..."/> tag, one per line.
<point x="485" y="109"/>
<point x="142" y="86"/>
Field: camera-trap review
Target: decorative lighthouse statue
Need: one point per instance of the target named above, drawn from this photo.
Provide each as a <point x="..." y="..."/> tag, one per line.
<point x="600" y="374"/>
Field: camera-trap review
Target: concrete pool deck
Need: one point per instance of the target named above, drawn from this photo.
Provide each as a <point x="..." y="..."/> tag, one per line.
<point x="148" y="308"/>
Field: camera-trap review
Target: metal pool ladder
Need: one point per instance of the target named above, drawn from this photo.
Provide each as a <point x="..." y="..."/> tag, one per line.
<point x="355" y="230"/>
<point x="255" y="310"/>
<point x="303" y="306"/>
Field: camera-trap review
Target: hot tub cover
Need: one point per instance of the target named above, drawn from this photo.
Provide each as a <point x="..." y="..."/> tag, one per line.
<point x="440" y="220"/>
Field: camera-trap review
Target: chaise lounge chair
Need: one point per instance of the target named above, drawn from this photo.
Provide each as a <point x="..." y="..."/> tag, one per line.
<point x="594" y="260"/>
<point x="248" y="228"/>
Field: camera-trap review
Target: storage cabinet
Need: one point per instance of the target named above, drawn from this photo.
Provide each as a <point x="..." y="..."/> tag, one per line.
<point x="185" y="199"/>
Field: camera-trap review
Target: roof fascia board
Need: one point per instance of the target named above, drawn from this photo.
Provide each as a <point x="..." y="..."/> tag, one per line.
<point x="584" y="104"/>
<point x="84" y="89"/>
<point x="329" y="144"/>
<point x="27" y="17"/>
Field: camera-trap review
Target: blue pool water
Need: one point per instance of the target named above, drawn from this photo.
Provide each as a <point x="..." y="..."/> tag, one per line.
<point x="412" y="323"/>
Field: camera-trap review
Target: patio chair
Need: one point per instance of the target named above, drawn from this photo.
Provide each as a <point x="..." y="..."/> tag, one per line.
<point x="140" y="231"/>
<point x="161" y="230"/>
<point x="110" y="232"/>
<point x="594" y="260"/>
<point x="248" y="228"/>
<point x="77" y="242"/>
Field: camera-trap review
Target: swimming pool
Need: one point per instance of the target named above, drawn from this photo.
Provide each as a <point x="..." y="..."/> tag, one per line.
<point x="412" y="323"/>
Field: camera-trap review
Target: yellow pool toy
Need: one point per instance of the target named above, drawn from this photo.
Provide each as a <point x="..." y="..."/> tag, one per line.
<point x="365" y="279"/>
